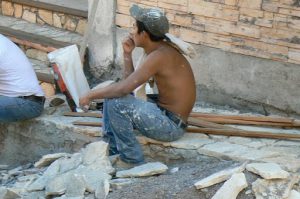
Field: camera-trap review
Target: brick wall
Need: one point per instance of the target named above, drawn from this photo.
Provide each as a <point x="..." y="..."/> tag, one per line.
<point x="263" y="28"/>
<point x="42" y="16"/>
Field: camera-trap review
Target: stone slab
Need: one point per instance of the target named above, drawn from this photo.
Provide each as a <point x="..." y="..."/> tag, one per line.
<point x="267" y="170"/>
<point x="148" y="169"/>
<point x="219" y="177"/>
<point x="232" y="187"/>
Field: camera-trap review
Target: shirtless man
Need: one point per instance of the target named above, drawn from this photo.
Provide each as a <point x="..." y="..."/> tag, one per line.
<point x="164" y="120"/>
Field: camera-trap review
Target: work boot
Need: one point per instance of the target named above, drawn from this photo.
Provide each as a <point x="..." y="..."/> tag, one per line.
<point x="119" y="164"/>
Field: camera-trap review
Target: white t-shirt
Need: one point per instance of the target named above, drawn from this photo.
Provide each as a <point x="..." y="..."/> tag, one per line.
<point x="17" y="77"/>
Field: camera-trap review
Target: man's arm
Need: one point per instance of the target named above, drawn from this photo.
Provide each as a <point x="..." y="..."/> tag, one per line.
<point x="148" y="69"/>
<point x="128" y="46"/>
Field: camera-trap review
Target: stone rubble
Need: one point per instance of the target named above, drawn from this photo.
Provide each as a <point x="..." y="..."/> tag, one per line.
<point x="275" y="189"/>
<point x="268" y="170"/>
<point x="232" y="187"/>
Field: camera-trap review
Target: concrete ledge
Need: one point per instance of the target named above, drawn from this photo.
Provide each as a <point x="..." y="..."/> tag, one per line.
<point x="27" y="141"/>
<point x="77" y="8"/>
<point x="44" y="35"/>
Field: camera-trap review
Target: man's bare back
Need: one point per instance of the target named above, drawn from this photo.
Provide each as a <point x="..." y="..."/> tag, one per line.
<point x="175" y="81"/>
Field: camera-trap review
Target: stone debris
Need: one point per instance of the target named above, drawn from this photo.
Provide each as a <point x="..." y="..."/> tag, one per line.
<point x="8" y="194"/>
<point x="294" y="195"/>
<point x="275" y="189"/>
<point x="121" y="182"/>
<point x="70" y="176"/>
<point x="3" y="167"/>
<point x="232" y="187"/>
<point x="46" y="160"/>
<point x="268" y="170"/>
<point x="219" y="177"/>
<point x="148" y="169"/>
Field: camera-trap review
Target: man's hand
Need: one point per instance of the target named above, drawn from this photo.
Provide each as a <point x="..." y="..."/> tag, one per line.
<point x="128" y="45"/>
<point x="84" y="103"/>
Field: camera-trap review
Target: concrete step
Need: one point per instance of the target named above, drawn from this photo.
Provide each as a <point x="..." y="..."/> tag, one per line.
<point x="65" y="14"/>
<point x="72" y="7"/>
<point x="43" y="35"/>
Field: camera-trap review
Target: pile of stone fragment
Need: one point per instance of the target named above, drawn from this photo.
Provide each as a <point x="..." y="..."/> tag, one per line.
<point x="275" y="183"/>
<point x="86" y="175"/>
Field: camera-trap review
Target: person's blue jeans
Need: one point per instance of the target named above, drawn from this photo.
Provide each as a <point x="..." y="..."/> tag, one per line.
<point x="122" y="115"/>
<point x="13" y="109"/>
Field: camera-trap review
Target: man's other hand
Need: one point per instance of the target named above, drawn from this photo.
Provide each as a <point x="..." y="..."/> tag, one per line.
<point x="84" y="103"/>
<point x="128" y="45"/>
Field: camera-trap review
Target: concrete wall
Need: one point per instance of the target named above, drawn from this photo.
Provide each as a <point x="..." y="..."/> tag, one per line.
<point x="253" y="77"/>
<point x="24" y="142"/>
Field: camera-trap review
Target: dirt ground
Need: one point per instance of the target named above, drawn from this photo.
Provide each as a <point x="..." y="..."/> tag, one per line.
<point x="180" y="185"/>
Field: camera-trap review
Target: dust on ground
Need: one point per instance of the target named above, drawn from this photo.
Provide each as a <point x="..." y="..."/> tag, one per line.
<point x="180" y="185"/>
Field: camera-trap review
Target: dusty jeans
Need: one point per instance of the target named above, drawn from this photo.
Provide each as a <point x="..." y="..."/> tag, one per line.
<point x="14" y="109"/>
<point x="122" y="115"/>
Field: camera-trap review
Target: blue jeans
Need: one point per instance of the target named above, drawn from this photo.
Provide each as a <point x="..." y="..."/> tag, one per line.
<point x="14" y="109"/>
<point x="122" y="115"/>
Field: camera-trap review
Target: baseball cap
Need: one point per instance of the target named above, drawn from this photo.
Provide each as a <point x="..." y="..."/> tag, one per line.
<point x="154" y="20"/>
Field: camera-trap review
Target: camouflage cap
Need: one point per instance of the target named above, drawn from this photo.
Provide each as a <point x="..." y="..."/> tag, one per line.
<point x="154" y="20"/>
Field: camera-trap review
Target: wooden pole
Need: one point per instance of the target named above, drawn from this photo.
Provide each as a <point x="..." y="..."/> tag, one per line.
<point x="246" y="122"/>
<point x="243" y="117"/>
<point x="82" y="114"/>
<point x="81" y="123"/>
<point x="202" y="123"/>
<point x="243" y="133"/>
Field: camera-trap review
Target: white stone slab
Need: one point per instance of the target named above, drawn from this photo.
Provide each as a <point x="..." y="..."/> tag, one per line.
<point x="232" y="187"/>
<point x="148" y="169"/>
<point x="294" y="195"/>
<point x="219" y="177"/>
<point x="267" y="170"/>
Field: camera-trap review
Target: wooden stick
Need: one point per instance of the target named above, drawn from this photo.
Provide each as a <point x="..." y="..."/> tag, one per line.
<point x="82" y="114"/>
<point x="243" y="117"/>
<point x="81" y="123"/>
<point x="243" y="133"/>
<point x="202" y="123"/>
<point x="246" y="122"/>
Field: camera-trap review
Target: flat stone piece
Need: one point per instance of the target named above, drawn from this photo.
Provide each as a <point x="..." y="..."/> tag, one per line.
<point x="121" y="182"/>
<point x="267" y="170"/>
<point x="148" y="169"/>
<point x="46" y="160"/>
<point x="219" y="177"/>
<point x="294" y="195"/>
<point x="275" y="189"/>
<point x="191" y="141"/>
<point x="7" y="193"/>
<point x="232" y="187"/>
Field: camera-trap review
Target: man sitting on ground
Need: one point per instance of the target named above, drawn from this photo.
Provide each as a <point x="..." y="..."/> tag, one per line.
<point x="164" y="120"/>
<point x="21" y="97"/>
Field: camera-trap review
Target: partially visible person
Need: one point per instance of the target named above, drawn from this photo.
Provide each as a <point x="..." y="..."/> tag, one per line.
<point x="21" y="96"/>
